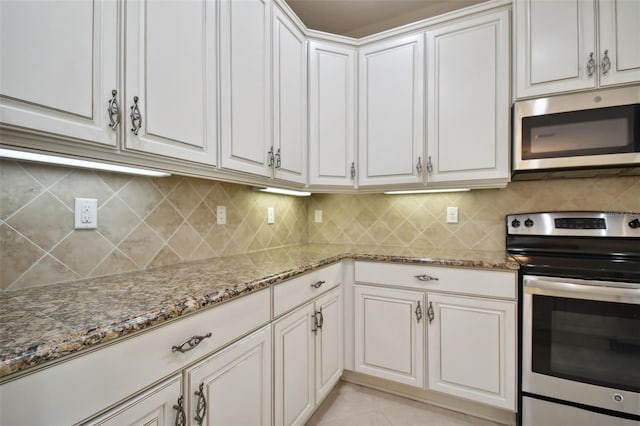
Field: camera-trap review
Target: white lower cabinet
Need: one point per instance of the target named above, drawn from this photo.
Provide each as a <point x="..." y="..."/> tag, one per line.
<point x="308" y="357"/>
<point x="233" y="386"/>
<point x="389" y="334"/>
<point x="472" y="348"/>
<point x="443" y="329"/>
<point x="160" y="406"/>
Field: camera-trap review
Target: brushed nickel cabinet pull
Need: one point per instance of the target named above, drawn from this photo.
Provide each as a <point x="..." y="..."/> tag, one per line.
<point x="114" y="111"/>
<point x="190" y="343"/>
<point x="591" y="65"/>
<point x="136" y="116"/>
<point x="606" y="63"/>
<point x="201" y="409"/>
<point x="318" y="284"/>
<point x="418" y="312"/>
<point x="425" y="277"/>
<point x="430" y="314"/>
<point x="181" y="418"/>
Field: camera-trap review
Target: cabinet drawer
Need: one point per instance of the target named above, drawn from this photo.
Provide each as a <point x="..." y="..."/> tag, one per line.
<point x="106" y="376"/>
<point x="479" y="282"/>
<point x="295" y="292"/>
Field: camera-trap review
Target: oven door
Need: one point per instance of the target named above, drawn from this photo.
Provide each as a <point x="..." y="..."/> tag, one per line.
<point x="581" y="342"/>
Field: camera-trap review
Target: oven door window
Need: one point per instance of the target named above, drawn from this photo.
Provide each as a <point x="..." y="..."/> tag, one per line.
<point x="577" y="133"/>
<point x="587" y="341"/>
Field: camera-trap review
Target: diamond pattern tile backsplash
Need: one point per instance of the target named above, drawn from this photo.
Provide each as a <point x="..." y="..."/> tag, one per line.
<point x="145" y="222"/>
<point x="142" y="223"/>
<point x="420" y="220"/>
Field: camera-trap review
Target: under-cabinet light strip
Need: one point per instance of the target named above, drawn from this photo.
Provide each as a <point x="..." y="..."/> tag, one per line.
<point x="282" y="191"/>
<point x="73" y="162"/>
<point x="427" y="191"/>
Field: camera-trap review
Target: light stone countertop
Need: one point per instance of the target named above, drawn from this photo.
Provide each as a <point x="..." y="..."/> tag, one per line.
<point x="43" y="324"/>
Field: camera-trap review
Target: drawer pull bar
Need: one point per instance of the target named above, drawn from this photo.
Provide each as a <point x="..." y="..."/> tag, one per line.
<point x="191" y="343"/>
<point x="425" y="277"/>
<point x="181" y="418"/>
<point x="318" y="284"/>
<point x="201" y="408"/>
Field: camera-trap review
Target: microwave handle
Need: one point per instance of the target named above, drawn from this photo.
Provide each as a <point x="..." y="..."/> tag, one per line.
<point x="583" y="289"/>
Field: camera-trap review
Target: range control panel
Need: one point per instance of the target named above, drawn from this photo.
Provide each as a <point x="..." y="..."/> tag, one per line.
<point x="588" y="224"/>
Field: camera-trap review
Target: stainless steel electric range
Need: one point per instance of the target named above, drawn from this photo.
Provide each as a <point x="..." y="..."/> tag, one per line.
<point x="580" y="317"/>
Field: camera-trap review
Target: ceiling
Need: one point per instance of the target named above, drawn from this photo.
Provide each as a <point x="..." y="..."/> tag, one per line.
<point x="359" y="18"/>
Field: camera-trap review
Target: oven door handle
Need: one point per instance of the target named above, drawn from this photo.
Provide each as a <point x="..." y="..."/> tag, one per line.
<point x="584" y="289"/>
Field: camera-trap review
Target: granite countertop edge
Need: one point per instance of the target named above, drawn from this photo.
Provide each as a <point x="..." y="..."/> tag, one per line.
<point x="22" y="360"/>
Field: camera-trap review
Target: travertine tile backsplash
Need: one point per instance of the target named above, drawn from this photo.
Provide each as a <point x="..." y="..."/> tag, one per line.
<point x="420" y="220"/>
<point x="144" y="222"/>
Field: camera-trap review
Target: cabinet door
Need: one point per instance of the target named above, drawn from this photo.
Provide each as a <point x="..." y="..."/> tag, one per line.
<point x="332" y="139"/>
<point x="483" y="327"/>
<point x="619" y="29"/>
<point x="329" y="343"/>
<point x="389" y="334"/>
<point x="555" y="39"/>
<point x="290" y="99"/>
<point x="159" y="406"/>
<point x="235" y="384"/>
<point x="58" y="67"/>
<point x="172" y="74"/>
<point x="294" y="361"/>
<point x="245" y="91"/>
<point x="392" y="111"/>
<point x="468" y="82"/>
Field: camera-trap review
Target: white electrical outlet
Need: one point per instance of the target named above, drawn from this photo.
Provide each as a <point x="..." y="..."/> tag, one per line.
<point x="317" y="218"/>
<point x="452" y="215"/>
<point x="271" y="215"/>
<point x="86" y="213"/>
<point x="221" y="215"/>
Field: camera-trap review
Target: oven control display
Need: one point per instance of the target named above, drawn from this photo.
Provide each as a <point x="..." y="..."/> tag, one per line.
<point x="580" y="223"/>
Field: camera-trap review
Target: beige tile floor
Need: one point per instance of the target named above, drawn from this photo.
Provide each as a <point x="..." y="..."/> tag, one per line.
<point x="352" y="405"/>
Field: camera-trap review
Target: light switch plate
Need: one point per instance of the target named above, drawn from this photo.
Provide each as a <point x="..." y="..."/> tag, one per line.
<point x="221" y="215"/>
<point x="317" y="217"/>
<point x="452" y="215"/>
<point x="86" y="213"/>
<point x="271" y="215"/>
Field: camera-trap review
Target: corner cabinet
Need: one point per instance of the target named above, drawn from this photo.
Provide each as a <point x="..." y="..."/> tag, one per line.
<point x="308" y="346"/>
<point x="486" y="328"/>
<point x="332" y="115"/>
<point x="565" y="45"/>
<point x="391" y="111"/>
<point x="389" y="334"/>
<point x="245" y="89"/>
<point x="232" y="387"/>
<point x="468" y="106"/>
<point x="58" y="68"/>
<point x="171" y="80"/>
<point x="289" y="100"/>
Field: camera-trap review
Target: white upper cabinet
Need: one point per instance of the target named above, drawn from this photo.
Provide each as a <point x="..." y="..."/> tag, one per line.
<point x="619" y="30"/>
<point x="58" y="67"/>
<point x="468" y="102"/>
<point x="559" y="50"/>
<point x="170" y="84"/>
<point x="391" y="116"/>
<point x="332" y="110"/>
<point x="245" y="91"/>
<point x="555" y="41"/>
<point x="289" y="99"/>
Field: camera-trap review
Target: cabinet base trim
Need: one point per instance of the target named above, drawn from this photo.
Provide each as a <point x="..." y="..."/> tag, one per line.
<point x="434" y="398"/>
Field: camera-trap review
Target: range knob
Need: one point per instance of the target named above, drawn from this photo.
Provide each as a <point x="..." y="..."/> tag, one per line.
<point x="515" y="223"/>
<point x="528" y="223"/>
<point x="635" y="223"/>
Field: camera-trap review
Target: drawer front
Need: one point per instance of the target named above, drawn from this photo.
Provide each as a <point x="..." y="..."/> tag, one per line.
<point x="297" y="291"/>
<point x="477" y="282"/>
<point x="104" y="377"/>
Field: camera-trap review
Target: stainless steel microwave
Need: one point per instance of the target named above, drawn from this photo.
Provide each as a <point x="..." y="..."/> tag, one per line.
<point x="596" y="129"/>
